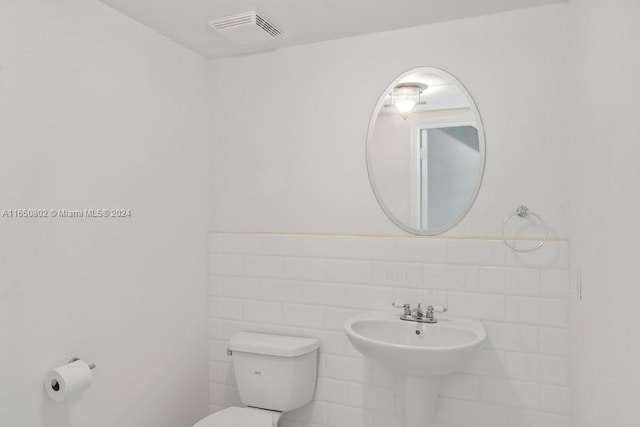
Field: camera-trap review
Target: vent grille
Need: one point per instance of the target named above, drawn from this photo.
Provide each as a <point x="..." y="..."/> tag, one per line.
<point x="245" y="21"/>
<point x="267" y="26"/>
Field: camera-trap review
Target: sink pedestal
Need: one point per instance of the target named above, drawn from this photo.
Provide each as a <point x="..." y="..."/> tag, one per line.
<point x="420" y="400"/>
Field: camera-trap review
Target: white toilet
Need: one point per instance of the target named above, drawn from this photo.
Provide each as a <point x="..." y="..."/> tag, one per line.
<point x="274" y="374"/>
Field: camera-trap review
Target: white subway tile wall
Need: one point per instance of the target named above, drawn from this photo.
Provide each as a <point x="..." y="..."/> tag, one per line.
<point x="308" y="285"/>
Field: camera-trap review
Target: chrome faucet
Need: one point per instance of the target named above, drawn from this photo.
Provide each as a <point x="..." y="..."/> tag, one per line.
<point x="417" y="314"/>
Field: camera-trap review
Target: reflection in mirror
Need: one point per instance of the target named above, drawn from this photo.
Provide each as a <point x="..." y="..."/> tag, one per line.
<point x="425" y="151"/>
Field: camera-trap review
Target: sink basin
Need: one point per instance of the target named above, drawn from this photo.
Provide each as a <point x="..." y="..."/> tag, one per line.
<point x="422" y="349"/>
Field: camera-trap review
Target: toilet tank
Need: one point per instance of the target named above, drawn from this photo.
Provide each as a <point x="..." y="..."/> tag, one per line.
<point x="273" y="371"/>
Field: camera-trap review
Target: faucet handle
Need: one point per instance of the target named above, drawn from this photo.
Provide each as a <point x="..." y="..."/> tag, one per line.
<point x="396" y="305"/>
<point x="433" y="309"/>
<point x="405" y="307"/>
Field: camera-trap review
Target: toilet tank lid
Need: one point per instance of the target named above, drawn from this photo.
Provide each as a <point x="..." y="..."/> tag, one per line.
<point x="272" y="345"/>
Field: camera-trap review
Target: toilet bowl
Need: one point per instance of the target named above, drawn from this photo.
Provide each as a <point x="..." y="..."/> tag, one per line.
<point x="274" y="374"/>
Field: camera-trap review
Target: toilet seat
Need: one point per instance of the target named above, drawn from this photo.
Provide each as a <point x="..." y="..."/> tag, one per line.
<point x="238" y="417"/>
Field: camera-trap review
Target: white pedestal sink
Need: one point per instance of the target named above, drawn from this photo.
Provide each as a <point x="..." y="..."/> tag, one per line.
<point x="422" y="352"/>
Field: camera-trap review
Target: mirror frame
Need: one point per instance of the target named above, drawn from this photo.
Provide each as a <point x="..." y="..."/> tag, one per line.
<point x="481" y="143"/>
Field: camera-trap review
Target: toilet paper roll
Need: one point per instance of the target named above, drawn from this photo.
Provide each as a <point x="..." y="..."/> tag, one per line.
<point x="67" y="381"/>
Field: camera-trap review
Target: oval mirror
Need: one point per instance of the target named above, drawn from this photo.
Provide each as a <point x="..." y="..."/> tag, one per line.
<point x="425" y="151"/>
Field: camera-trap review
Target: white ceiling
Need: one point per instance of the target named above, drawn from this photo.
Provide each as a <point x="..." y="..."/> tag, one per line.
<point x="301" y="21"/>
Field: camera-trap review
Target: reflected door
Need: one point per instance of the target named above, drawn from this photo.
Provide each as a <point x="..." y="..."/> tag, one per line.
<point x="449" y="161"/>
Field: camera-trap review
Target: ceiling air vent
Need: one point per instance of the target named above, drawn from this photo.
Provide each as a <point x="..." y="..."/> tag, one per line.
<point x="246" y="28"/>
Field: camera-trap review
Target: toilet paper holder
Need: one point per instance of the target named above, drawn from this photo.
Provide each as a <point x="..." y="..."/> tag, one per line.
<point x="56" y="386"/>
<point x="75" y="359"/>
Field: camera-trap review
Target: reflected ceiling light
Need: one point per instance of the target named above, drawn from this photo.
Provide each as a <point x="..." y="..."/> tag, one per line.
<point x="405" y="97"/>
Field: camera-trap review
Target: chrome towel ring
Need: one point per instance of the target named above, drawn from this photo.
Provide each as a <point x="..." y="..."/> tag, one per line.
<point x="523" y="212"/>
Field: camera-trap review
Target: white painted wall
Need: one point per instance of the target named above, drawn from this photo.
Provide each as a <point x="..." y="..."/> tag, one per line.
<point x="605" y="232"/>
<point x="290" y="160"/>
<point x="97" y="111"/>
<point x="292" y="124"/>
